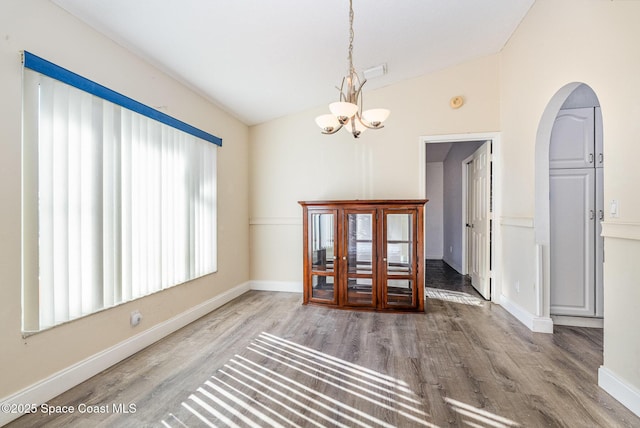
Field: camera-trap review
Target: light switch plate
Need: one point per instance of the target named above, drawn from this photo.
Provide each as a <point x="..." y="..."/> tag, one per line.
<point x="614" y="208"/>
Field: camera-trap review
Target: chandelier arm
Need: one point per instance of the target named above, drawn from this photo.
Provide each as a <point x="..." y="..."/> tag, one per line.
<point x="366" y="123"/>
<point x="358" y="95"/>
<point x="336" y="129"/>
<point x="341" y="89"/>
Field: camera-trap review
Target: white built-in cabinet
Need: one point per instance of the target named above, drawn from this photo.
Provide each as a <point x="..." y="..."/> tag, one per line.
<point x="576" y="210"/>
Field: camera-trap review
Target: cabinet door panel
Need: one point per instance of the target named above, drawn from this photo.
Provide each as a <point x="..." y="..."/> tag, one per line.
<point x="322" y="232"/>
<point x="572" y="139"/>
<point x="360" y="242"/>
<point x="398" y="278"/>
<point x="323" y="226"/>
<point x="360" y="245"/>
<point x="323" y="287"/>
<point x="400" y="292"/>
<point x="572" y="216"/>
<point x="599" y="243"/>
<point x="599" y="149"/>
<point x="360" y="292"/>
<point x="400" y="243"/>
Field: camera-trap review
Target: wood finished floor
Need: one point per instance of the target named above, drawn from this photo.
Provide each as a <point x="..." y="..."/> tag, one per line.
<point x="265" y="359"/>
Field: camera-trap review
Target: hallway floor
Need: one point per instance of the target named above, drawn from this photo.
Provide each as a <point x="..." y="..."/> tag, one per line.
<point x="442" y="276"/>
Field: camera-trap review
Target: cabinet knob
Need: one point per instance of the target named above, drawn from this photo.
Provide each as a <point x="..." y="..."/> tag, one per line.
<point x="344" y="257"/>
<point x="384" y="259"/>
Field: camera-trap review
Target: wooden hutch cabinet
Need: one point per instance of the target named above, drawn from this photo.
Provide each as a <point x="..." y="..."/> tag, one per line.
<point x="364" y="254"/>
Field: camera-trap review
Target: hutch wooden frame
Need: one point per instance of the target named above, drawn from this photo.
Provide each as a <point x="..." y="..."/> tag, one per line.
<point x="364" y="254"/>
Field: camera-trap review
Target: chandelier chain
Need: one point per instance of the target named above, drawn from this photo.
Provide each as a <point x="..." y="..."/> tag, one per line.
<point x="351" y="69"/>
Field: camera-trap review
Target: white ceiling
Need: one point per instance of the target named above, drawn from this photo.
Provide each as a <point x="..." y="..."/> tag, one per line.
<point x="260" y="59"/>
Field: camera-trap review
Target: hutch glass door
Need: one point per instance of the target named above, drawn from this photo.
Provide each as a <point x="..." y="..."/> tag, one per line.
<point x="322" y="233"/>
<point x="360" y="246"/>
<point x="399" y="259"/>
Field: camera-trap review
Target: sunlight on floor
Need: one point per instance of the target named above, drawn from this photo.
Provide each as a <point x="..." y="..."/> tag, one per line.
<point x="453" y="296"/>
<point x="279" y="383"/>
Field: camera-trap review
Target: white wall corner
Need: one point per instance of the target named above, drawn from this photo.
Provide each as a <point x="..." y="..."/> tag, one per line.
<point x="626" y="394"/>
<point x="452" y="264"/>
<point x="69" y="377"/>
<point x="534" y="323"/>
<point x="286" y="286"/>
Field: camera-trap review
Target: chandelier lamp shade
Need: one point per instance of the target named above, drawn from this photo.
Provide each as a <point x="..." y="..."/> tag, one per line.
<point x="347" y="113"/>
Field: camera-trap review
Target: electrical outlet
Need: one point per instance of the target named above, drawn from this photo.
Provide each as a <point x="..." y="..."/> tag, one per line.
<point x="451" y="248"/>
<point x="135" y="318"/>
<point x="518" y="286"/>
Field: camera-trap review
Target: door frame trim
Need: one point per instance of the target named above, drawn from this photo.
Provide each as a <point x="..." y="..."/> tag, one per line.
<point x="495" y="138"/>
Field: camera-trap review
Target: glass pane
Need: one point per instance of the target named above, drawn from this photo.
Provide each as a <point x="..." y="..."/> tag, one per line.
<point x="322" y="229"/>
<point x="399" y="292"/>
<point x="322" y="287"/>
<point x="399" y="244"/>
<point x="359" y="291"/>
<point x="359" y="243"/>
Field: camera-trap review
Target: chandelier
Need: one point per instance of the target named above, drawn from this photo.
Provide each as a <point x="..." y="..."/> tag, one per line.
<point x="347" y="113"/>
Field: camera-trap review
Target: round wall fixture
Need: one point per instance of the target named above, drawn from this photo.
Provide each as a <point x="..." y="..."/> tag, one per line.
<point x="456" y="102"/>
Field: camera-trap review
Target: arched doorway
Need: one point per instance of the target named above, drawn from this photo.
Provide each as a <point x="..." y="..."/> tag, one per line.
<point x="571" y="101"/>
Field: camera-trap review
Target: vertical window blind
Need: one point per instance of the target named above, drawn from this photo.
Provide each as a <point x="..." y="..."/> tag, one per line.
<point x="118" y="201"/>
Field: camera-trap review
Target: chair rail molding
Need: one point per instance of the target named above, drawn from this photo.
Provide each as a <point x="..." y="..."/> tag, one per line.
<point x="621" y="230"/>
<point x="275" y="221"/>
<point x="526" y="222"/>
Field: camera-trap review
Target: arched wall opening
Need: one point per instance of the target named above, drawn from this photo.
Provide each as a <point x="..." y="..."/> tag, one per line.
<point x="542" y="227"/>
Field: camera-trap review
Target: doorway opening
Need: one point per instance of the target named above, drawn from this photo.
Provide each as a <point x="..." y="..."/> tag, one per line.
<point x="460" y="181"/>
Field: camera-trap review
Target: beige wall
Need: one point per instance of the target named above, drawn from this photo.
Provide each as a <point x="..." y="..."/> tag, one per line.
<point x="45" y="30"/>
<point x="291" y="160"/>
<point x="594" y="42"/>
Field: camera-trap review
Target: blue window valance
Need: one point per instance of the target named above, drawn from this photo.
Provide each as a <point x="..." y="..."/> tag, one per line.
<point x="70" y="78"/>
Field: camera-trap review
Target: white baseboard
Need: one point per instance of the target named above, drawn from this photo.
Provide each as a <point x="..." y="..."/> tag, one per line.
<point x="534" y="323"/>
<point x="287" y="286"/>
<point x="578" y="321"/>
<point x="626" y="394"/>
<point x="434" y="256"/>
<point x="69" y="377"/>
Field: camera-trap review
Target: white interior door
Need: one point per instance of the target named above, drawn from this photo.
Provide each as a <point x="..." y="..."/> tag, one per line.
<point x="480" y="221"/>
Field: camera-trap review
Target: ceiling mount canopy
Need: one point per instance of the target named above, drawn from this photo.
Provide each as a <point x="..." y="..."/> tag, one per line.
<point x="347" y="113"/>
